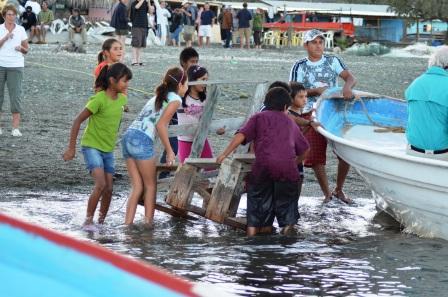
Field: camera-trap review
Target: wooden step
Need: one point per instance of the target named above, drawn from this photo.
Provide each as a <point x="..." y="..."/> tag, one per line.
<point x="208" y="163"/>
<point x="245" y="158"/>
<point x="240" y="223"/>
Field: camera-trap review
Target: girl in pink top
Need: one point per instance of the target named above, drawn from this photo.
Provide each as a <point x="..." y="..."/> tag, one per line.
<point x="193" y="106"/>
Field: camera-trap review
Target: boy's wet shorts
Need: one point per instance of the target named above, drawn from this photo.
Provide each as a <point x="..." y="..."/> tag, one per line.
<point x="97" y="159"/>
<point x="272" y="199"/>
<point x="137" y="145"/>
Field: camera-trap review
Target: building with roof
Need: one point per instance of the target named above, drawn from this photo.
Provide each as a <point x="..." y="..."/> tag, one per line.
<point x="372" y="22"/>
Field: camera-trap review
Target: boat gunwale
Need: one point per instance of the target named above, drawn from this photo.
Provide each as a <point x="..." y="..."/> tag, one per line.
<point x="331" y="136"/>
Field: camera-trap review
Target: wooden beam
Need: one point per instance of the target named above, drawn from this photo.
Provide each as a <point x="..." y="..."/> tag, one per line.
<point x="204" y="122"/>
<point x="227" y="191"/>
<point x="180" y="193"/>
<point x="230" y="124"/>
<point x="174" y="212"/>
<point x="245" y="158"/>
<point x="240" y="223"/>
<point x="166" y="167"/>
<point x="196" y="210"/>
<point x="225" y="82"/>
<point x="209" y="163"/>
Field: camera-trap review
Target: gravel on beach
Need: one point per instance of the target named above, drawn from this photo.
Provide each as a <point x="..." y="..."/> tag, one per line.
<point x="57" y="84"/>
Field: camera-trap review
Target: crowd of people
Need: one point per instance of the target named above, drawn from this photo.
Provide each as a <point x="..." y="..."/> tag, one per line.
<point x="157" y="19"/>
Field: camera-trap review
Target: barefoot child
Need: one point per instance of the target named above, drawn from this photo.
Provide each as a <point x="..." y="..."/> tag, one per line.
<point x="138" y="141"/>
<point x="104" y="111"/>
<point x="299" y="99"/>
<point x="273" y="183"/>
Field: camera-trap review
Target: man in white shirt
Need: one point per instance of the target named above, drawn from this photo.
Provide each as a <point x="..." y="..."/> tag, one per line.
<point x="162" y="20"/>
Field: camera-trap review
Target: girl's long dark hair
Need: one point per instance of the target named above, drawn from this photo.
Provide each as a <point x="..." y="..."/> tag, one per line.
<point x="173" y="77"/>
<point x="195" y="72"/>
<point x="107" y="45"/>
<point x="116" y="71"/>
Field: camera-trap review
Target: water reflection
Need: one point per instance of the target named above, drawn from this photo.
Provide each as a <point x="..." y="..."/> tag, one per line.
<point x="338" y="251"/>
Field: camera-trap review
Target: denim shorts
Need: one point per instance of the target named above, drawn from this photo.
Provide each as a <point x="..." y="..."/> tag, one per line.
<point x="97" y="159"/>
<point x="137" y="145"/>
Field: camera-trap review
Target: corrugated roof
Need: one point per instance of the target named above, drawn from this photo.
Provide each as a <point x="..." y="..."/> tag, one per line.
<point x="334" y="8"/>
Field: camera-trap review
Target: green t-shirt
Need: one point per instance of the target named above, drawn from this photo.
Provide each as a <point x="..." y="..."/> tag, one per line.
<point x="257" y="24"/>
<point x="102" y="128"/>
<point x="45" y="17"/>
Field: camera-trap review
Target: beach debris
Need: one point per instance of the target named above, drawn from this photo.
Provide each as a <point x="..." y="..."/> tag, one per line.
<point x="71" y="47"/>
<point x="244" y="95"/>
<point x="368" y="49"/>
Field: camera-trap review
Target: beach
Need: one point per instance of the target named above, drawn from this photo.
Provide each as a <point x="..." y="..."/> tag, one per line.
<point x="340" y="249"/>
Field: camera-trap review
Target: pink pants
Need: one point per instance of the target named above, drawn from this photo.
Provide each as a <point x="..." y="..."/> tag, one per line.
<point x="184" y="150"/>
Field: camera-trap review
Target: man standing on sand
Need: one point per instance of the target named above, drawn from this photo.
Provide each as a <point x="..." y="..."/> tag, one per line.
<point x="119" y="21"/>
<point x="318" y="72"/>
<point x="244" y="17"/>
<point x="205" y="28"/>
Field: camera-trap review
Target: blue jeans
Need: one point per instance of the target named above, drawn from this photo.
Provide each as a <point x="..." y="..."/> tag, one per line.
<point x="136" y="145"/>
<point x="97" y="159"/>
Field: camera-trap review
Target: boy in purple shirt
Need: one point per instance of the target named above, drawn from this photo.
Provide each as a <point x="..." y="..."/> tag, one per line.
<point x="273" y="183"/>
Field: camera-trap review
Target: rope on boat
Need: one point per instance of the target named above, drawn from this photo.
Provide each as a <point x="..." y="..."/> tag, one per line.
<point x="382" y="128"/>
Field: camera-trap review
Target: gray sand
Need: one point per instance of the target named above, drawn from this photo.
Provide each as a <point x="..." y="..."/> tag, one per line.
<point x="53" y="95"/>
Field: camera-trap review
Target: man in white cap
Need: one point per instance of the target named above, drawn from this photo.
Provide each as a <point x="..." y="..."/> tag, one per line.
<point x="317" y="72"/>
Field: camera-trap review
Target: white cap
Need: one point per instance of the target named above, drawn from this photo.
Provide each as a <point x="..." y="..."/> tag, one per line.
<point x="312" y="34"/>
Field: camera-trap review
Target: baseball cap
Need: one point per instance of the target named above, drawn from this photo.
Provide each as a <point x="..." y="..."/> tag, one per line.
<point x="185" y="2"/>
<point x="312" y="34"/>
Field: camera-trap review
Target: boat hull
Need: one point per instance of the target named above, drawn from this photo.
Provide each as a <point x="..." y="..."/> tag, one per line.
<point x="413" y="190"/>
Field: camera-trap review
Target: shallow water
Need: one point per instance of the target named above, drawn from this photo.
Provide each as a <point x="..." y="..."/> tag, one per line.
<point x="339" y="249"/>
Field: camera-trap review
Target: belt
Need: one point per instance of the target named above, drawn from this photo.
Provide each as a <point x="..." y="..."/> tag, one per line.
<point x="428" y="152"/>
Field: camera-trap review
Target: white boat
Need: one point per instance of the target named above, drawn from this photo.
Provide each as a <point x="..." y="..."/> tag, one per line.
<point x="414" y="190"/>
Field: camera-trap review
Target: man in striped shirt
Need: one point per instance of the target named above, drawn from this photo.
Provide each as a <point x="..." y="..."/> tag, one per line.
<point x="317" y="72"/>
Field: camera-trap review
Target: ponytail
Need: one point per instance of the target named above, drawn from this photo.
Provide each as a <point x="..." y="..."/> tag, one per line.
<point x="107" y="45"/>
<point x="173" y="77"/>
<point x="116" y="71"/>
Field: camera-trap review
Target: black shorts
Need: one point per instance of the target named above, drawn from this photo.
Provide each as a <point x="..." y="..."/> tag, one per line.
<point x="272" y="199"/>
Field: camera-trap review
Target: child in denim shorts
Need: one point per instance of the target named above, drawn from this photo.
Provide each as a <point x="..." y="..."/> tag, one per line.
<point x="138" y="142"/>
<point x="104" y="111"/>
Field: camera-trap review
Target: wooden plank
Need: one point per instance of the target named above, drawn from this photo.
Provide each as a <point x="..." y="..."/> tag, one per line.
<point x="230" y="124"/>
<point x="225" y="82"/>
<point x="240" y="223"/>
<point x="180" y="193"/>
<point x="227" y="191"/>
<point x="209" y="163"/>
<point x="204" y="192"/>
<point x="196" y="210"/>
<point x="245" y="158"/>
<point x="204" y="122"/>
<point x="174" y="212"/>
<point x="166" y="167"/>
